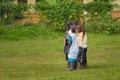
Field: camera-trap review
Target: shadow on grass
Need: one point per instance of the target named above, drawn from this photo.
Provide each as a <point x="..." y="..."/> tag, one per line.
<point x="99" y="66"/>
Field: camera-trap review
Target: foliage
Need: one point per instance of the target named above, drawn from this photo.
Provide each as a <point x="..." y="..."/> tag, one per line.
<point x="113" y="27"/>
<point x="109" y="1"/>
<point x="98" y="7"/>
<point x="67" y="11"/>
<point x="60" y="13"/>
<point x="100" y="15"/>
<point x="26" y="31"/>
<point x="51" y="2"/>
<point x="10" y="11"/>
<point x="103" y="24"/>
<point x="56" y="13"/>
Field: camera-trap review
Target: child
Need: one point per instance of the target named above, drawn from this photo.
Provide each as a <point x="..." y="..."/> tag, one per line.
<point x="66" y="43"/>
<point x="74" y="23"/>
<point x="82" y="44"/>
<point x="73" y="49"/>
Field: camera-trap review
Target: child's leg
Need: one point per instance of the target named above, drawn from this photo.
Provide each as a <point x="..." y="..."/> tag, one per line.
<point x="75" y="65"/>
<point x="68" y="64"/>
<point x="71" y="66"/>
<point x="78" y="65"/>
<point x="79" y="58"/>
<point x="85" y="66"/>
<point x="85" y="56"/>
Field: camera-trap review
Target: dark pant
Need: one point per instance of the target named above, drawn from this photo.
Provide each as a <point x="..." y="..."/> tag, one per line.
<point x="82" y="57"/>
<point x="66" y="47"/>
<point x="73" y="65"/>
<point x="66" y="57"/>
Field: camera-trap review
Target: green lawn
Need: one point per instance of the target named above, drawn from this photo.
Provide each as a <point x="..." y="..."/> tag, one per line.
<point x="37" y="59"/>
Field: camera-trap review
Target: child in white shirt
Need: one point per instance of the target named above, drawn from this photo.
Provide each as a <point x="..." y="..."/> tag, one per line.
<point x="73" y="49"/>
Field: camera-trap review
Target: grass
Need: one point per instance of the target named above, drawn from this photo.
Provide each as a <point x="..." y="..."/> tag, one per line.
<point x="25" y="31"/>
<point x="39" y="59"/>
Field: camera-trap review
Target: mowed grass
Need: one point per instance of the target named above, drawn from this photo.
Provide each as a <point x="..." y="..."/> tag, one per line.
<point x="38" y="59"/>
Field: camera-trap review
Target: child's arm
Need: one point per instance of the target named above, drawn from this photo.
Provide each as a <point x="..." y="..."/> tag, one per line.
<point x="70" y="42"/>
<point x="65" y="37"/>
<point x="85" y="39"/>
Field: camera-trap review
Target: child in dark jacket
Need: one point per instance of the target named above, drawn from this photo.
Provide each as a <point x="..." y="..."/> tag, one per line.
<point x="66" y="42"/>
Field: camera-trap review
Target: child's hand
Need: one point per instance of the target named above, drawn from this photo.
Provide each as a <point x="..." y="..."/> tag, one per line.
<point x="68" y="51"/>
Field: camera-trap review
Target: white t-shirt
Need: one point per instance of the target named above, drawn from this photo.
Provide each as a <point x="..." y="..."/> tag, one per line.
<point x="73" y="52"/>
<point x="80" y="42"/>
<point x="70" y="32"/>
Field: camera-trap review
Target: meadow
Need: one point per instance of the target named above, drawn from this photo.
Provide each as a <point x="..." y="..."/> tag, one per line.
<point x="43" y="59"/>
<point x="35" y="51"/>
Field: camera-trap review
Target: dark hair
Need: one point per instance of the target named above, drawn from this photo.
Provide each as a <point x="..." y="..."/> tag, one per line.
<point x="68" y="24"/>
<point x="75" y="23"/>
<point x="73" y="28"/>
<point x="81" y="26"/>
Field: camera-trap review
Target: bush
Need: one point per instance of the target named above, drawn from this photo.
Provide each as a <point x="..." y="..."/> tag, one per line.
<point x="26" y="31"/>
<point x="103" y="24"/>
<point x="98" y="7"/>
<point x="60" y="13"/>
<point x="100" y="15"/>
<point x="9" y="11"/>
<point x="68" y="11"/>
